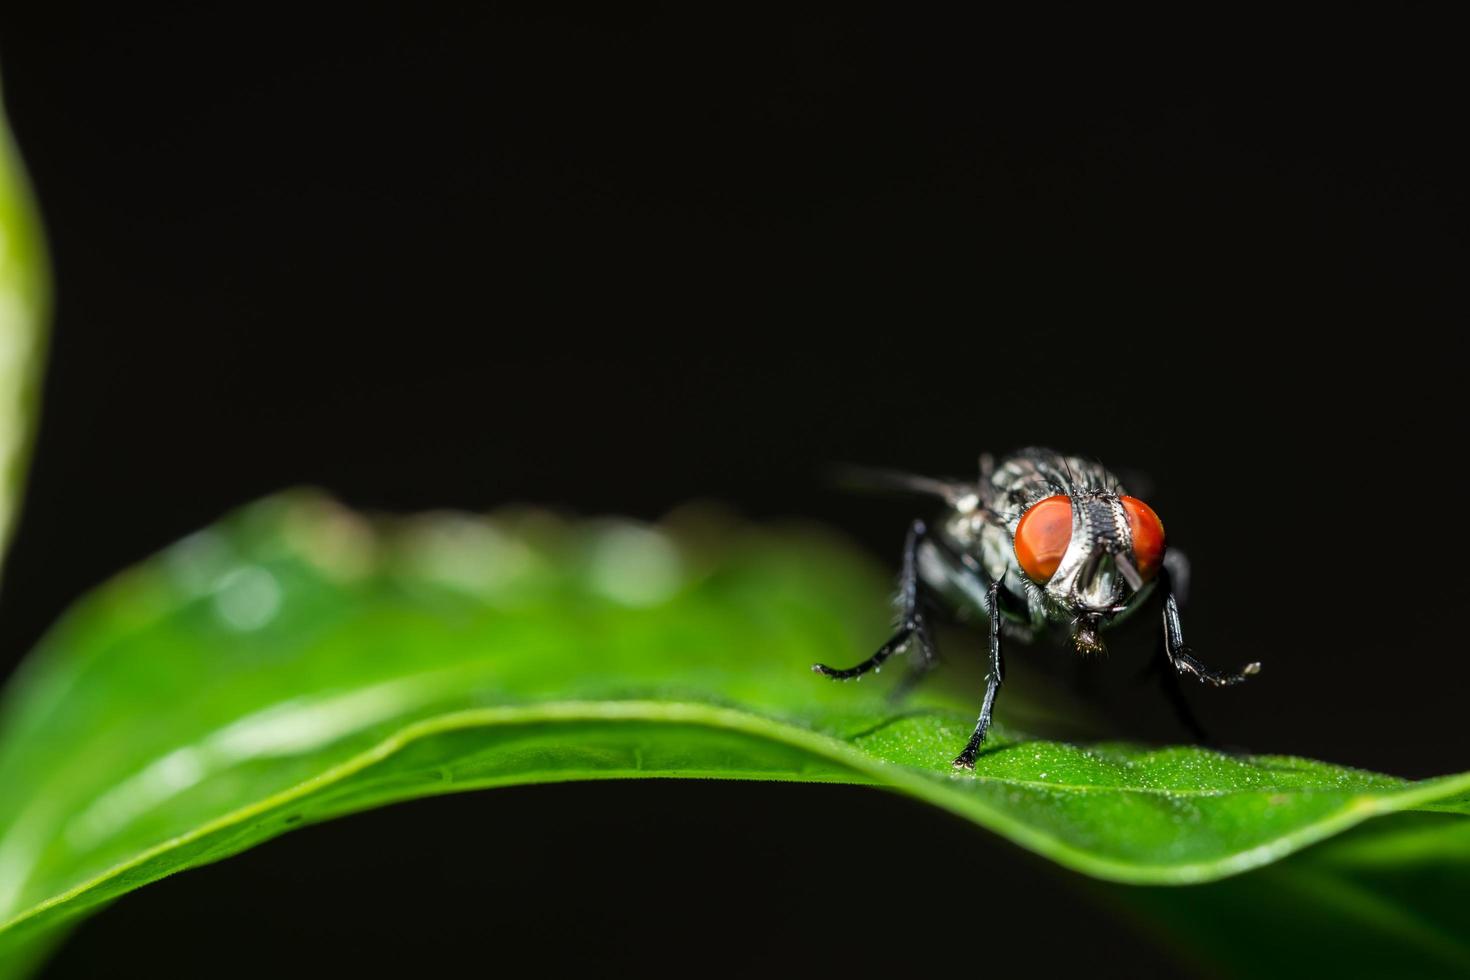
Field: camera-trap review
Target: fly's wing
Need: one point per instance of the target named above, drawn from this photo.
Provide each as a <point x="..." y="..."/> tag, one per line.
<point x="871" y="480"/>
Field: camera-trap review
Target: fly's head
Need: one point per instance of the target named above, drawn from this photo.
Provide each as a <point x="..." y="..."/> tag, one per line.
<point x="1090" y="551"/>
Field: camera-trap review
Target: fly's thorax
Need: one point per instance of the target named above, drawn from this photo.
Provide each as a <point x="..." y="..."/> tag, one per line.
<point x="964" y="522"/>
<point x="969" y="528"/>
<point x="1029" y="475"/>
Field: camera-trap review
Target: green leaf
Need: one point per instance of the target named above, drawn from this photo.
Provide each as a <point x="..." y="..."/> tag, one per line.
<point x="24" y="301"/>
<point x="296" y="663"/>
<point x="1384" y="900"/>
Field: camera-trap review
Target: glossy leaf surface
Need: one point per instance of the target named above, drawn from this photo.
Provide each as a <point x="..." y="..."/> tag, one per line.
<point x="297" y="662"/>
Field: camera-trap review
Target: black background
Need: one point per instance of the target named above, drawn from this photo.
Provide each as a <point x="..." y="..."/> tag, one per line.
<point x="612" y="261"/>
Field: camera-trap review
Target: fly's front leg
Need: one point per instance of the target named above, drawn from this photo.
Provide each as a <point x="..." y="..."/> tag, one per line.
<point x="1168" y="677"/>
<point x="966" y="758"/>
<point x="913" y="625"/>
<point x="1178" y="654"/>
<point x="1177" y="575"/>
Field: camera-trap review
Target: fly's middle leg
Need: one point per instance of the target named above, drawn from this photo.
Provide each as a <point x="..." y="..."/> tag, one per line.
<point x="913" y="625"/>
<point x="922" y="659"/>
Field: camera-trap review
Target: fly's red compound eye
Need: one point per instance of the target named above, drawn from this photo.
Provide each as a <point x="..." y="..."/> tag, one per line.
<point x="1148" y="536"/>
<point x="1042" y="537"/>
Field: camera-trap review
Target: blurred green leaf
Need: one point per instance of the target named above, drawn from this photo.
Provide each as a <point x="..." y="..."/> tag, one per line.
<point x="296" y="663"/>
<point x="23" y="310"/>
<point x="1384" y="900"/>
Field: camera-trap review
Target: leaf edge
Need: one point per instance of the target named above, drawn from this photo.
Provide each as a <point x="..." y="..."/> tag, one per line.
<point x="864" y="770"/>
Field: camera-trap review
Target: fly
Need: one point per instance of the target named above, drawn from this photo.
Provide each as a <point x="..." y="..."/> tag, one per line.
<point x="1040" y="539"/>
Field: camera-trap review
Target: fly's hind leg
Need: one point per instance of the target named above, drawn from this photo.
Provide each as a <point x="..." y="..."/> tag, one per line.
<point x="913" y="624"/>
